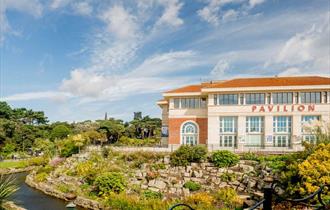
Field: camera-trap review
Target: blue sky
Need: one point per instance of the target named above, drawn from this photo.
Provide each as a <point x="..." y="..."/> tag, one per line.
<point x="77" y="60"/>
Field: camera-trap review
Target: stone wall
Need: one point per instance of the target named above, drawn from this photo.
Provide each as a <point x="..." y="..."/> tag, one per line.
<point x="247" y="178"/>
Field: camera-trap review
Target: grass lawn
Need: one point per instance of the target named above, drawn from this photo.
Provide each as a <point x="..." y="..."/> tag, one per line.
<point x="13" y="164"/>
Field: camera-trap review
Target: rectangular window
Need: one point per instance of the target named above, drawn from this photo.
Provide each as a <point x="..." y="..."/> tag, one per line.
<point x="189" y="103"/>
<point x="310" y="97"/>
<point x="282" y="124"/>
<point x="176" y="103"/>
<point x="255" y="98"/>
<point x="254" y="124"/>
<point x="281" y="140"/>
<point x="225" y="99"/>
<point x="228" y="124"/>
<point x="241" y="98"/>
<point x="282" y="98"/>
<point x="306" y="121"/>
<point x="228" y="129"/>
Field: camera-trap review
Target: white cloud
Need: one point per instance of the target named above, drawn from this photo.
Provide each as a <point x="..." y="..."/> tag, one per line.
<point x="214" y="11"/>
<point x="54" y="95"/>
<point x="309" y="50"/>
<point x="82" y="8"/>
<point x="55" y="4"/>
<point x="253" y="3"/>
<point x="219" y="69"/>
<point x="32" y="7"/>
<point x="171" y="13"/>
<point x="120" y="22"/>
<point x="149" y="77"/>
<point x="291" y="71"/>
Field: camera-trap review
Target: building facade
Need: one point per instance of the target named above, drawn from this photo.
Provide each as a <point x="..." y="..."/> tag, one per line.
<point x="263" y="114"/>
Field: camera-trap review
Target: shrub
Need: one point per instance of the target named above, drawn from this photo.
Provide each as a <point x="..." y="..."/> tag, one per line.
<point x="87" y="170"/>
<point x="200" y="199"/>
<point x="37" y="161"/>
<point x="228" y="177"/>
<point x="149" y="194"/>
<point x="41" y="177"/>
<point x="68" y="148"/>
<point x="192" y="186"/>
<point x="224" y="158"/>
<point x="110" y="182"/>
<point x="47" y="169"/>
<point x="315" y="169"/>
<point x="228" y="197"/>
<point x="188" y="154"/>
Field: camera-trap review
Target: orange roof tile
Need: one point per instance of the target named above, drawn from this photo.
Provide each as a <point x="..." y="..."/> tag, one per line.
<point x="189" y="88"/>
<point x="270" y="81"/>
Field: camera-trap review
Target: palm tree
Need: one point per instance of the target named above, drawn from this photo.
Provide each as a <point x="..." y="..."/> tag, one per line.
<point x="7" y="188"/>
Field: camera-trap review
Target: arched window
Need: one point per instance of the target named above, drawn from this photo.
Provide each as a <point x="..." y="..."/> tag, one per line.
<point x="189" y="133"/>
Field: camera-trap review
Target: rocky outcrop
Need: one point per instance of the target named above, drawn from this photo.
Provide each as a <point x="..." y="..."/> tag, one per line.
<point x="15" y="170"/>
<point x="9" y="205"/>
<point x="245" y="177"/>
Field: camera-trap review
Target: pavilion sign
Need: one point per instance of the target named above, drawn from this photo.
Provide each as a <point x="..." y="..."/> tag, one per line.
<point x="284" y="108"/>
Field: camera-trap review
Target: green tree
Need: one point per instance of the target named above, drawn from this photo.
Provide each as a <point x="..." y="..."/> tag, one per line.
<point x="60" y="131"/>
<point x="5" y="110"/>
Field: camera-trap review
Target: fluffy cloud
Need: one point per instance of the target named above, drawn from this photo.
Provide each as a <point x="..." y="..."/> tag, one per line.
<point x="214" y="13"/>
<point x="171" y="13"/>
<point x="308" y="50"/>
<point x="54" y="95"/>
<point x="120" y="22"/>
<point x="55" y="4"/>
<point x="82" y="8"/>
<point x="32" y="7"/>
<point x="149" y="77"/>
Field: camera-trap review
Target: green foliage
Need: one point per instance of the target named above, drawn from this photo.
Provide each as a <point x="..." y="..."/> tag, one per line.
<point x="13" y="164"/>
<point x="192" y="186"/>
<point x="37" y="161"/>
<point x="8" y="149"/>
<point x="45" y="145"/>
<point x="136" y="159"/>
<point x="67" y="147"/>
<point x="110" y="182"/>
<point x="124" y="140"/>
<point x="187" y="154"/>
<point x="60" y="131"/>
<point x="228" y="197"/>
<point x="224" y="158"/>
<point x="7" y="187"/>
<point x="41" y="177"/>
<point x="228" y="177"/>
<point x="149" y="194"/>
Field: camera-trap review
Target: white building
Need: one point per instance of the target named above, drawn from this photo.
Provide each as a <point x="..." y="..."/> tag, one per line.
<point x="264" y="114"/>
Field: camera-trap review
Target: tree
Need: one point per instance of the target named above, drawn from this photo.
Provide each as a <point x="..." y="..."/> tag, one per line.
<point x="113" y="129"/>
<point x="5" y="110"/>
<point x="44" y="145"/>
<point x="60" y="131"/>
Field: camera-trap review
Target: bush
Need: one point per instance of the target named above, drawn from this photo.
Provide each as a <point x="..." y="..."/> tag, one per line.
<point x="68" y="148"/>
<point x="229" y="198"/>
<point x="41" y="177"/>
<point x="37" y="161"/>
<point x="110" y="182"/>
<point x="224" y="158"/>
<point x="188" y="154"/>
<point x="149" y="194"/>
<point x="202" y="199"/>
<point x="192" y="186"/>
<point x="124" y="140"/>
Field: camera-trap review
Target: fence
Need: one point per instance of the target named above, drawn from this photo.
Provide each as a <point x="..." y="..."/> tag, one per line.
<point x="271" y="198"/>
<point x="210" y="147"/>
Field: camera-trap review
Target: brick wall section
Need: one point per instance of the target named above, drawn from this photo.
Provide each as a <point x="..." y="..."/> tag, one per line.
<point x="174" y="126"/>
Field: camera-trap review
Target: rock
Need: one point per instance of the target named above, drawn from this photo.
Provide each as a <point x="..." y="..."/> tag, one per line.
<point x="185" y="191"/>
<point x="70" y="196"/>
<point x="153" y="189"/>
<point x="160" y="184"/>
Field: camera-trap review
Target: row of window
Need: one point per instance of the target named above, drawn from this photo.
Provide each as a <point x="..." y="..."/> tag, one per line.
<point x="276" y="98"/>
<point x="255" y="124"/>
<point x="189" y="103"/>
<point x="282" y="127"/>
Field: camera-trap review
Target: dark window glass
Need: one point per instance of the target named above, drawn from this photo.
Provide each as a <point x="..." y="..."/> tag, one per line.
<point x="255" y="98"/>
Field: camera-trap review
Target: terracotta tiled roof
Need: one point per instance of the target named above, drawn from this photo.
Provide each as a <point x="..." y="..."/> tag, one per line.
<point x="270" y="81"/>
<point x="189" y="88"/>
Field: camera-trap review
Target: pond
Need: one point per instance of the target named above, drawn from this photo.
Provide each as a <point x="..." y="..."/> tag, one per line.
<point x="32" y="199"/>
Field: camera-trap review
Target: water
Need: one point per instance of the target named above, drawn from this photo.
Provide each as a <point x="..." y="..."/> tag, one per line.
<point x="33" y="199"/>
